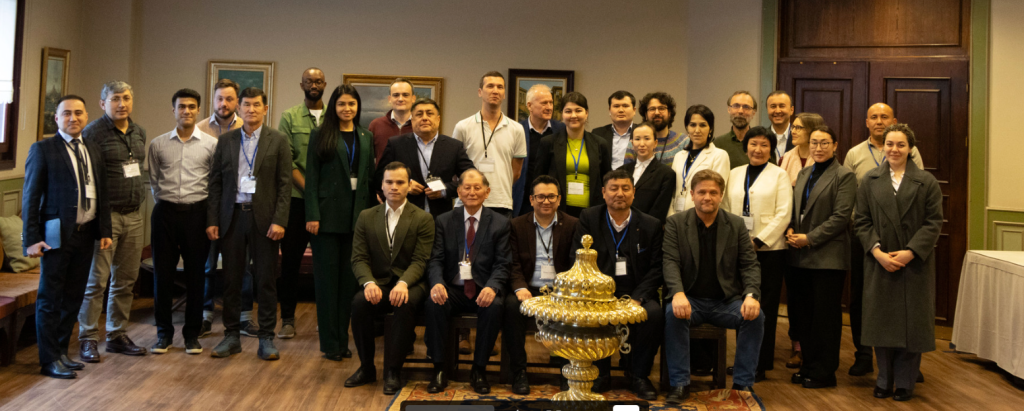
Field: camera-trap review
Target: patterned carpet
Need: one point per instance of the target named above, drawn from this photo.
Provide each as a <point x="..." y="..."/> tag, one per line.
<point x="698" y="401"/>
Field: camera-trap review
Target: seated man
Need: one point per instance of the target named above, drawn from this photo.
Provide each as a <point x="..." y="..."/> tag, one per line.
<point x="711" y="276"/>
<point x="628" y="245"/>
<point x="390" y="250"/>
<point x="468" y="269"/>
<point x="541" y="248"/>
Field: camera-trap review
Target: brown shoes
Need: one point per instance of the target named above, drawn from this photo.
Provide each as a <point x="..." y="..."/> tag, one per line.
<point x="88" y="351"/>
<point x="796" y="360"/>
<point x="124" y="345"/>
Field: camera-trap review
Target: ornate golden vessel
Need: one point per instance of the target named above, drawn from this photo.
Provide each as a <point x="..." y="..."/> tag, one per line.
<point x="580" y="319"/>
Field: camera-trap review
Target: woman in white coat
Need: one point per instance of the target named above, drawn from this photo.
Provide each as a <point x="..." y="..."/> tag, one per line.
<point x="761" y="193"/>
<point x="699" y="154"/>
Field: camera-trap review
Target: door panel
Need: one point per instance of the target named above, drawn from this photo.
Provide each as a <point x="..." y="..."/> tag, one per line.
<point x="835" y="90"/>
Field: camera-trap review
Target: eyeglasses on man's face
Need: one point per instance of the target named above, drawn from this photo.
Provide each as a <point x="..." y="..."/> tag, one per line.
<point x="550" y="198"/>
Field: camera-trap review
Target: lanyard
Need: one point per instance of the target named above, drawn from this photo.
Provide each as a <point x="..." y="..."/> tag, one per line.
<point x="575" y="161"/>
<point x="871" y="149"/>
<point x="426" y="164"/>
<point x="483" y="134"/>
<point x="352" y="150"/>
<point x="618" y="242"/>
<point x="126" y="139"/>
<point x="247" y="159"/>
<point x="689" y="163"/>
<point x="551" y="240"/>
<point x="746" y="194"/>
<point x="81" y="157"/>
<point x="387" y="226"/>
<point x="664" y="144"/>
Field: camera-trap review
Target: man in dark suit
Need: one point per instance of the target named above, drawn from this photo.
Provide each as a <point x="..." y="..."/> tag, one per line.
<point x="538" y="124"/>
<point x="390" y="251"/>
<point x="628" y="245"/>
<point x="711" y="276"/>
<point x="621" y="108"/>
<point x="541" y="247"/>
<point x="780" y="112"/>
<point x="434" y="160"/>
<point x="250" y="192"/>
<point x="469" y="266"/>
<point x="66" y="210"/>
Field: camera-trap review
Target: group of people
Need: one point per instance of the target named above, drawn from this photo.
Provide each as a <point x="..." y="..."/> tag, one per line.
<point x="404" y="220"/>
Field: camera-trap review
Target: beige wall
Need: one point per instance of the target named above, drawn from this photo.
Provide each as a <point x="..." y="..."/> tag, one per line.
<point x="1006" y="85"/>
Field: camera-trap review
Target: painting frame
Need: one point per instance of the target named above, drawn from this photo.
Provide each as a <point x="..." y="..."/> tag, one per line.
<point x="215" y="69"/>
<point x="520" y="81"/>
<point x="48" y="81"/>
<point x="368" y="86"/>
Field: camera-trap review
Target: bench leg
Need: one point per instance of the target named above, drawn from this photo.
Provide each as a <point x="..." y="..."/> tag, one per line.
<point x="720" y="369"/>
<point x="505" y="373"/>
<point x="7" y="347"/>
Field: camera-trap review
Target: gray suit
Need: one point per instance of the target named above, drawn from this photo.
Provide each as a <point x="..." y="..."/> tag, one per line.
<point x="739" y="273"/>
<point x="827" y="220"/>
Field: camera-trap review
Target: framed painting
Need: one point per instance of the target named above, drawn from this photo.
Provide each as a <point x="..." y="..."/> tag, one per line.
<point x="52" y="85"/>
<point x="520" y="81"/>
<point x="246" y="74"/>
<point x="374" y="90"/>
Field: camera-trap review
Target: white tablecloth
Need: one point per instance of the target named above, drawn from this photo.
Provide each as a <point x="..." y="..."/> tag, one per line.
<point x="990" y="308"/>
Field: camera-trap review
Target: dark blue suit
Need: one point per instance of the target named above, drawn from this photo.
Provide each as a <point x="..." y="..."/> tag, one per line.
<point x="51" y="191"/>
<point x="520" y="191"/>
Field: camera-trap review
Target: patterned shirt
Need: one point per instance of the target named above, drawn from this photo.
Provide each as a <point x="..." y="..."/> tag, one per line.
<point x="118" y="149"/>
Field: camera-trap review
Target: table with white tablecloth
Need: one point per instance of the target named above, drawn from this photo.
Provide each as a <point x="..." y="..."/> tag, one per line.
<point x="990" y="308"/>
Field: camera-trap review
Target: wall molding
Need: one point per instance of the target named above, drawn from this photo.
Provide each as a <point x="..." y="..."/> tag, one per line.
<point x="1008" y="236"/>
<point x="977" y="180"/>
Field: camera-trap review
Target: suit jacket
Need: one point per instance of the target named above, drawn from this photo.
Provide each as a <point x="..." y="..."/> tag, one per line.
<point x="551" y="161"/>
<point x="827" y="218"/>
<point x="329" y="196"/>
<point x="447" y="162"/>
<point x="373" y="259"/>
<point x="771" y="203"/>
<point x="775" y="159"/>
<point x="654" y="189"/>
<point x="527" y="175"/>
<point x="642" y="246"/>
<point x="607" y="132"/>
<point x="739" y="273"/>
<point x="524" y="247"/>
<point x="51" y="191"/>
<point x="272" y="169"/>
<point x="711" y="157"/>
<point x="492" y="257"/>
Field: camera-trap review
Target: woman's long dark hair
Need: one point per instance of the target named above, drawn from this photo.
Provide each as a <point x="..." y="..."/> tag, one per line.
<point x="327" y="144"/>
<point x="705" y="112"/>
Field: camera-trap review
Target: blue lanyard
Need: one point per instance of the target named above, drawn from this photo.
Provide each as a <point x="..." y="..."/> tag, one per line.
<point x="576" y="161"/>
<point x="618" y="242"/>
<point x="352" y="150"/>
<point x="746" y="196"/>
<point x="871" y="149"/>
<point x="807" y="191"/>
<point x="247" y="159"/>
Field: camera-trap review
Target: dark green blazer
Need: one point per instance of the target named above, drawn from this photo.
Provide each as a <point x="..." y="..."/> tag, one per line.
<point x="373" y="259"/>
<point x="329" y="196"/>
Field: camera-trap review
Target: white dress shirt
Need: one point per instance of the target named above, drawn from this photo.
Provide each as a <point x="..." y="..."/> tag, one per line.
<point x="641" y="166"/>
<point x="620" y="146"/>
<point x="84" y="216"/>
<point x="780" y="148"/>
<point x="474" y="225"/>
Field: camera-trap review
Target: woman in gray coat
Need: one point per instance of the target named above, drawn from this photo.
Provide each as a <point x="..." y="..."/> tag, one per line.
<point x="898" y="220"/>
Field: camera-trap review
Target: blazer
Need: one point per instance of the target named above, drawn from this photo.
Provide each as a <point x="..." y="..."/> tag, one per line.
<point x="792" y="163"/>
<point x="447" y="162"/>
<point x="329" y="196"/>
<point x="653" y="191"/>
<point x="739" y="273"/>
<point x="827" y="218"/>
<point x="524" y="247"/>
<point x="607" y="132"/>
<point x="373" y="259"/>
<point x="272" y="169"/>
<point x="642" y="246"/>
<point x="771" y="203"/>
<point x="712" y="158"/>
<point x="551" y="160"/>
<point x="51" y="191"/>
<point x="527" y="175"/>
<point x="492" y="257"/>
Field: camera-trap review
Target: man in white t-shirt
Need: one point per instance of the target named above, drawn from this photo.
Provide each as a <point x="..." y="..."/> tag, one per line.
<point x="495" y="143"/>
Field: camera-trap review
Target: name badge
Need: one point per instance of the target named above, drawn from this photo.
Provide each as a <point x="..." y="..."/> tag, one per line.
<point x="247" y="185"/>
<point x="547" y="272"/>
<point x="681" y="203"/>
<point x="131" y="169"/>
<point x="485" y="166"/>
<point x="620" y="266"/>
<point x="575" y="188"/>
<point x="90" y="191"/>
<point x="749" y="222"/>
<point x="435" y="184"/>
<point x="355" y="182"/>
<point x="466" y="270"/>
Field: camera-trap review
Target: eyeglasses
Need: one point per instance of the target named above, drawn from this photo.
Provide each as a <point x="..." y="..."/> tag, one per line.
<point x="550" y="198"/>
<point x="657" y="109"/>
<point x="314" y="82"/>
<point x="822" y="144"/>
<point x="797" y="128"/>
<point x="743" y="107"/>
<point x="119" y="99"/>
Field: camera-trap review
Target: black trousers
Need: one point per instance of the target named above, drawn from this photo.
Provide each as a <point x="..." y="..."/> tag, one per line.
<point x="398" y="340"/>
<point x="820" y="294"/>
<point x="293" y="247"/>
<point x="773" y="268"/>
<point x="214" y="286"/>
<point x="488" y="324"/>
<point x="857" y="297"/>
<point x="513" y="337"/>
<point x="241" y="240"/>
<point x="179" y="231"/>
<point x="64" y="274"/>
<point x="644" y="339"/>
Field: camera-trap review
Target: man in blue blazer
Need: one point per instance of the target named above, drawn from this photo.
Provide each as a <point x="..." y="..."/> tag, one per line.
<point x="469" y="266"/>
<point x="66" y="210"/>
<point x="541" y="105"/>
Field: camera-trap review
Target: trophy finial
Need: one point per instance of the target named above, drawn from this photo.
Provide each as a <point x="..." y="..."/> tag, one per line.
<point x="587" y="241"/>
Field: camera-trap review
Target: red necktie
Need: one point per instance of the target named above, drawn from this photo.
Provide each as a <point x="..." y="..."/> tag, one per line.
<point x="469" y="287"/>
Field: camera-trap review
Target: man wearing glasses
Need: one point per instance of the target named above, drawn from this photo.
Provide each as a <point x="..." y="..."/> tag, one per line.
<point x="541" y="247"/>
<point x="660" y="109"/>
<point x="742" y="108"/>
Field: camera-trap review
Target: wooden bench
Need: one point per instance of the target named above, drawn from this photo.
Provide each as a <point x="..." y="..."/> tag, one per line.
<point x="703" y="332"/>
<point x="18" y="292"/>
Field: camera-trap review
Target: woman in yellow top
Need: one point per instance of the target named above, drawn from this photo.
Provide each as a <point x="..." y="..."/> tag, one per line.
<point x="576" y="158"/>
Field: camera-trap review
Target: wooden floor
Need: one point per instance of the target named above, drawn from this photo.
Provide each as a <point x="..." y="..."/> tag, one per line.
<point x="302" y="380"/>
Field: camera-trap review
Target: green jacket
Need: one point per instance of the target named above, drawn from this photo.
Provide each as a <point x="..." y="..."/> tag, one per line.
<point x="328" y="190"/>
<point x="296" y="123"/>
<point x="373" y="259"/>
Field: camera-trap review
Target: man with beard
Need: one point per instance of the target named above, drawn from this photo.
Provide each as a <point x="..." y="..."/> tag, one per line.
<point x="780" y="112"/>
<point x="621" y="108"/>
<point x="225" y="103"/>
<point x="539" y="124"/>
<point x="742" y="108"/>
<point x="296" y="123"/>
<point x="660" y="109"/>
<point x="396" y="121"/>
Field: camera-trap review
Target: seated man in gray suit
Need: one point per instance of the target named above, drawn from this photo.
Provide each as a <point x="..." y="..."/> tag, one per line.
<point x="711" y="276"/>
<point x="390" y="250"/>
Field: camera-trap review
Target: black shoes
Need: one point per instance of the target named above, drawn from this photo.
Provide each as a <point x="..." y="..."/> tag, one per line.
<point x="347" y="353"/>
<point x="797" y="378"/>
<point x="520" y="384"/>
<point x="642" y="387"/>
<point x="738" y="387"/>
<point x="361" y="377"/>
<point x="392" y="382"/>
<point x="206" y="329"/>
<point x="250" y="328"/>
<point x="333" y="356"/>
<point x="760" y="376"/>
<point x="882" y="392"/>
<point x="902" y="394"/>
<point x="678" y="395"/>
<point x="124" y="345"/>
<point x="814" y="383"/>
<point x="862" y="366"/>
<point x="57" y="369"/>
<point x="71" y="365"/>
<point x="603" y="383"/>
<point x="478" y="380"/>
<point x="438" y="383"/>
<point x="192" y="346"/>
<point x="161" y="346"/>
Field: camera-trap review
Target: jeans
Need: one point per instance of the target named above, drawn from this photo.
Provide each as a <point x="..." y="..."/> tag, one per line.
<point x="122" y="261"/>
<point x="720" y="314"/>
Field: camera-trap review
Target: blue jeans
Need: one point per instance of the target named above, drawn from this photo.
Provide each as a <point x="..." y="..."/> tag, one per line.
<point x="720" y="314"/>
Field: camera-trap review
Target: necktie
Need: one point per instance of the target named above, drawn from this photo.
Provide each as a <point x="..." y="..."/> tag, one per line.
<point x="81" y="173"/>
<point x="469" y="287"/>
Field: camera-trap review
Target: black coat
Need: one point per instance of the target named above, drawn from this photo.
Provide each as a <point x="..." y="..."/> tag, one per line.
<point x="654" y="189"/>
<point x="642" y="246"/>
<point x="447" y="162"/>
